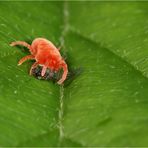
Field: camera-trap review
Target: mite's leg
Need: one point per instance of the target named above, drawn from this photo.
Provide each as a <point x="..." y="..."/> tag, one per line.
<point x="64" y="66"/>
<point x="51" y="73"/>
<point x="21" y="43"/>
<point x="33" y="66"/>
<point x="28" y="57"/>
<point x="43" y="71"/>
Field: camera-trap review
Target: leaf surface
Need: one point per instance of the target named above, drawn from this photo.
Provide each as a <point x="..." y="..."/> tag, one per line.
<point x="104" y="100"/>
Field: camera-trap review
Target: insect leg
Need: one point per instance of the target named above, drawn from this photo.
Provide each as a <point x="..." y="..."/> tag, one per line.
<point x="28" y="57"/>
<point x="51" y="73"/>
<point x="21" y="43"/>
<point x="64" y="66"/>
<point x="33" y="66"/>
<point x="43" y="71"/>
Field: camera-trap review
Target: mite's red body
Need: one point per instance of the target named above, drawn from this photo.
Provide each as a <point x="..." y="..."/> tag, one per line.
<point x="46" y="55"/>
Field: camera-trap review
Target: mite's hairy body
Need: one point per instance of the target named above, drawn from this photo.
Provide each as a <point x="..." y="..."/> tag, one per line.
<point x="46" y="55"/>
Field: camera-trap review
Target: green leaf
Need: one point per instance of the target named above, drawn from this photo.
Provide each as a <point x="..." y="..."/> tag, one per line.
<point x="103" y="101"/>
<point x="122" y="27"/>
<point x="29" y="107"/>
<point x="107" y="104"/>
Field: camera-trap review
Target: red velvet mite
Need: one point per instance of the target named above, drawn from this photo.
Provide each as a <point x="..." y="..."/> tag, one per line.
<point x="46" y="55"/>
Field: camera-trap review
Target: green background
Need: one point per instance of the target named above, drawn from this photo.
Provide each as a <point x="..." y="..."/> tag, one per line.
<point x="103" y="102"/>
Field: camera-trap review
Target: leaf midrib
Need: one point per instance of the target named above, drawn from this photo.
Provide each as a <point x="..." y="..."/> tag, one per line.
<point x="62" y="42"/>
